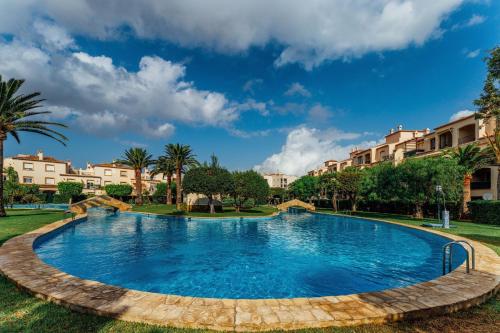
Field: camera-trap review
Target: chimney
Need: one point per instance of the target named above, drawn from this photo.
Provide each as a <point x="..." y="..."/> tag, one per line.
<point x="391" y="131"/>
<point x="427" y="130"/>
<point x="400" y="127"/>
<point x="39" y="153"/>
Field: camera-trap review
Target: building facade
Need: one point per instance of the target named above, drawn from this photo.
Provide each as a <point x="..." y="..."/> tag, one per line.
<point x="279" y="180"/>
<point x="400" y="144"/>
<point x="47" y="172"/>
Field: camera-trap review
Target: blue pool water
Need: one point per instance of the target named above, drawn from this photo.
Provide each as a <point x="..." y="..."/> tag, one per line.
<point x="41" y="206"/>
<point x="303" y="255"/>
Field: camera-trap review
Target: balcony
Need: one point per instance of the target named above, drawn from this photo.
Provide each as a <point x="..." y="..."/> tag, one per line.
<point x="466" y="139"/>
<point x="413" y="152"/>
<point x="484" y="185"/>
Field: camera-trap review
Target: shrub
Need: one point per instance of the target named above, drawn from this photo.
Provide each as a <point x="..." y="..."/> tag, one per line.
<point x="485" y="211"/>
<point x="118" y="190"/>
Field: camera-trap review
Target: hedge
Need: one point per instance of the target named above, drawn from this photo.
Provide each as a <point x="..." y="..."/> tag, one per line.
<point x="485" y="211"/>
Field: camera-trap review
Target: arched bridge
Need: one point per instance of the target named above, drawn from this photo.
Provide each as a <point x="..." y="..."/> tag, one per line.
<point x="99" y="201"/>
<point x="295" y="203"/>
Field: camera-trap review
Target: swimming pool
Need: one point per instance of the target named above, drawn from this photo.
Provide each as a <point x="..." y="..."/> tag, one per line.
<point x="304" y="255"/>
<point x="41" y="206"/>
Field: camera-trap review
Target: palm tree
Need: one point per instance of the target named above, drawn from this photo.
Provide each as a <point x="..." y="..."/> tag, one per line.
<point x="183" y="158"/>
<point x="138" y="159"/>
<point x="16" y="112"/>
<point x="166" y="167"/>
<point x="471" y="158"/>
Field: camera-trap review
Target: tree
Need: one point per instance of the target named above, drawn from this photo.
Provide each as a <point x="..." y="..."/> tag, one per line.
<point x="471" y="158"/>
<point x="69" y="190"/>
<point x="329" y="187"/>
<point x="488" y="105"/>
<point x="166" y="167"/>
<point x="11" y="187"/>
<point x="418" y="178"/>
<point x="248" y="185"/>
<point x="118" y="190"/>
<point x="183" y="159"/>
<point x="16" y="112"/>
<point x="138" y="159"/>
<point x="304" y="188"/>
<point x="349" y="182"/>
<point x="379" y="183"/>
<point x="209" y="180"/>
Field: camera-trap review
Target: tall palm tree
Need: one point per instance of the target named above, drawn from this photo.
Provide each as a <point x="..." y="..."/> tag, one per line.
<point x="166" y="167"/>
<point x="183" y="158"/>
<point x="16" y="112"/>
<point x="471" y="158"/>
<point x="138" y="159"/>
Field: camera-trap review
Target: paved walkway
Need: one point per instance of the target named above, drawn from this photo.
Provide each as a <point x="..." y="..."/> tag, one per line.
<point x="452" y="292"/>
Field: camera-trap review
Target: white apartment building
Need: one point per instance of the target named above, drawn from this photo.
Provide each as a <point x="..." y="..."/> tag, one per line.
<point x="47" y="172"/>
<point x="44" y="171"/>
<point x="279" y="180"/>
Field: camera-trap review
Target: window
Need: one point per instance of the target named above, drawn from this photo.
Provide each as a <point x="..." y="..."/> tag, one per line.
<point x="108" y="172"/>
<point x="28" y="166"/>
<point x="50" y="181"/>
<point x="90" y="184"/>
<point x="50" y="168"/>
<point x="445" y="140"/>
<point x="360" y="159"/>
<point x="28" y="180"/>
<point x="433" y="144"/>
<point x="123" y="173"/>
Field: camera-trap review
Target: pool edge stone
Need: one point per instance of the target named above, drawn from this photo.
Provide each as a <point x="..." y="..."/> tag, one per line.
<point x="452" y="292"/>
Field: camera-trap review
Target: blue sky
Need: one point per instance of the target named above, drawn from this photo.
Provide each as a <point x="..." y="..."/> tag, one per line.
<point x="257" y="87"/>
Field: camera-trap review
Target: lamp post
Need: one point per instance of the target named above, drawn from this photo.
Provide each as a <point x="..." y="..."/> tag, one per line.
<point x="439" y="189"/>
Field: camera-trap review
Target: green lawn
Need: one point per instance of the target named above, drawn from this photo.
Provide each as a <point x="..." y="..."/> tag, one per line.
<point x="20" y="312"/>
<point x="228" y="211"/>
<point x="487" y="234"/>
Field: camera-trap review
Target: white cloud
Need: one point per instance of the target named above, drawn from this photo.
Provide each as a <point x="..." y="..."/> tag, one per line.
<point x="297" y="89"/>
<point x="251" y="85"/>
<point x="105" y="98"/>
<point x="53" y="35"/>
<point x="475" y="19"/>
<point x="319" y="114"/>
<point x="461" y="114"/>
<point x="473" y="54"/>
<point x="306" y="148"/>
<point x="310" y="32"/>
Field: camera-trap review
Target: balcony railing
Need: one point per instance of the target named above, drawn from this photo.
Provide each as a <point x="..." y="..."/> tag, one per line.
<point x="466" y="139"/>
<point x="413" y="152"/>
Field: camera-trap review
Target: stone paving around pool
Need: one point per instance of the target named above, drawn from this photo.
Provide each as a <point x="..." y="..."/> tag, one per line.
<point x="452" y="292"/>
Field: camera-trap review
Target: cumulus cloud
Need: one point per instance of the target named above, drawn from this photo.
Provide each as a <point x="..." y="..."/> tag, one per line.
<point x="104" y="98"/>
<point x="53" y="36"/>
<point x="306" y="148"/>
<point x="296" y="89"/>
<point x="309" y="32"/>
<point x="461" y="114"/>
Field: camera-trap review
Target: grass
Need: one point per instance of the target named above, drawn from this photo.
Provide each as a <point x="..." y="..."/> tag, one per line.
<point x="485" y="233"/>
<point x="20" y="312"/>
<point x="20" y="221"/>
<point x="228" y="211"/>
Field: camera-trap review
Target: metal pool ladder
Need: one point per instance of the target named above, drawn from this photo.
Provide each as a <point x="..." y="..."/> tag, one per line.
<point x="448" y="253"/>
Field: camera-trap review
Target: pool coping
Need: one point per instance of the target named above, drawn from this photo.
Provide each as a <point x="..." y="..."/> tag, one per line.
<point x="449" y="293"/>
